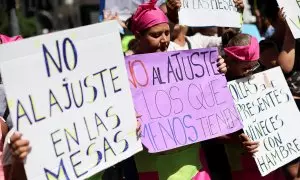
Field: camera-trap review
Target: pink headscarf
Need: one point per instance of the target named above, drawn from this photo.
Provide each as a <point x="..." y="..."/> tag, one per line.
<point x="147" y="15"/>
<point x="244" y="53"/>
<point x="6" y="39"/>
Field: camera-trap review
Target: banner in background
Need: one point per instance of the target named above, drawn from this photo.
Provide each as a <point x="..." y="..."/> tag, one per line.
<point x="203" y="13"/>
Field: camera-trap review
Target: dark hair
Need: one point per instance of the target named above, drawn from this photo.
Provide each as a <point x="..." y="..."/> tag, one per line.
<point x="128" y="23"/>
<point x="133" y="44"/>
<point x="240" y="40"/>
<point x="234" y="38"/>
<point x="270" y="10"/>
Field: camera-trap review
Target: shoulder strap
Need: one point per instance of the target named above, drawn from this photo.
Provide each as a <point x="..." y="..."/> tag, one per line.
<point x="188" y="43"/>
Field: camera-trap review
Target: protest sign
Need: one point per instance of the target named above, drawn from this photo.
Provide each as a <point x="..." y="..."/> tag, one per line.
<point x="201" y="13"/>
<point x="68" y="93"/>
<point x="270" y="116"/>
<point x="292" y="12"/>
<point x="181" y="97"/>
<point x="125" y="8"/>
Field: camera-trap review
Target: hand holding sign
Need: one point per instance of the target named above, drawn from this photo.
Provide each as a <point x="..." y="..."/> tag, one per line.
<point x="248" y="144"/>
<point x="20" y="147"/>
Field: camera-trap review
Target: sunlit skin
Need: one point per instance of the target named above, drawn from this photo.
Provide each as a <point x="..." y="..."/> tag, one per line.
<point x="155" y="39"/>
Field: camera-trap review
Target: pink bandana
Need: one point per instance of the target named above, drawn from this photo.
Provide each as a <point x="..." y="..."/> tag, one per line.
<point x="147" y="15"/>
<point x="244" y="53"/>
<point x="6" y="39"/>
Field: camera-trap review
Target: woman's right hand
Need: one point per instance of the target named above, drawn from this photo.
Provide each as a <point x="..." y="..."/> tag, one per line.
<point x="249" y="145"/>
<point x="20" y="147"/>
<point x="174" y="4"/>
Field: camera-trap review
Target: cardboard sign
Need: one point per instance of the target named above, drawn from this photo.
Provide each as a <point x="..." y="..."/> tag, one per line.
<point x="270" y="116"/>
<point x="69" y="95"/>
<point x="125" y="8"/>
<point x="202" y="13"/>
<point x="181" y="97"/>
<point x="292" y="12"/>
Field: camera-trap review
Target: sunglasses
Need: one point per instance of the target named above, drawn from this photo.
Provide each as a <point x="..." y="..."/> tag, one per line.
<point x="252" y="70"/>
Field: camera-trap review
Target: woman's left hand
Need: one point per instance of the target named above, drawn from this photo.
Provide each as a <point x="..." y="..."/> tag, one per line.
<point x="20" y="147"/>
<point x="222" y="67"/>
<point x="138" y="127"/>
<point x="250" y="146"/>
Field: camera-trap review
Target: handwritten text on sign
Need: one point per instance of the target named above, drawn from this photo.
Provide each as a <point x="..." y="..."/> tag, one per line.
<point x="198" y="13"/>
<point x="182" y="98"/>
<point x="268" y="111"/>
<point x="71" y="98"/>
<point x="292" y="11"/>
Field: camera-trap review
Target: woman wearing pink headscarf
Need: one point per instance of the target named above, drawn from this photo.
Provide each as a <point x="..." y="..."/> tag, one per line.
<point x="151" y="29"/>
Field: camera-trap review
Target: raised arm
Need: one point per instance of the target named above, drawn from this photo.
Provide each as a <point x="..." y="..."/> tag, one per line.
<point x="286" y="58"/>
<point x="173" y="7"/>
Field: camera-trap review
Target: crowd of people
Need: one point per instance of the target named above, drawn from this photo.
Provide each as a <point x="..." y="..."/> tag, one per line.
<point x="156" y="29"/>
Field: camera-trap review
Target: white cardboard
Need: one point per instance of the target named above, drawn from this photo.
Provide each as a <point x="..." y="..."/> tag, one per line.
<point x="203" y="13"/>
<point x="292" y="12"/>
<point x="278" y="122"/>
<point x="24" y="73"/>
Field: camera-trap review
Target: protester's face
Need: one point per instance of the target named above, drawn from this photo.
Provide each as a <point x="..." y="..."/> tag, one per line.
<point x="155" y="39"/>
<point x="239" y="68"/>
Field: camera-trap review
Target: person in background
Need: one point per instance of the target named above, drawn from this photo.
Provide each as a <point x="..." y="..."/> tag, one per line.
<point x="178" y="37"/>
<point x="265" y="28"/>
<point x="280" y="50"/>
